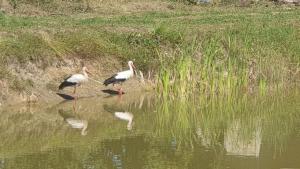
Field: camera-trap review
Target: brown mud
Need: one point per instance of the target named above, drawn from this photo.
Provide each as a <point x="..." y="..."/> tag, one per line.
<point x="43" y="86"/>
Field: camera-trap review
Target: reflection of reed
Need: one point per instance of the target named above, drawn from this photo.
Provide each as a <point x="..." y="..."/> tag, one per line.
<point x="141" y="101"/>
<point x="175" y="119"/>
<point x="212" y="121"/>
<point x="40" y="127"/>
<point x="235" y="144"/>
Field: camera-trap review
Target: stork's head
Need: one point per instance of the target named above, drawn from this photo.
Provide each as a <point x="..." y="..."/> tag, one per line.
<point x="130" y="64"/>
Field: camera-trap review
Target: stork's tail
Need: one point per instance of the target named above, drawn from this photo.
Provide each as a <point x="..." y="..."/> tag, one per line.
<point x="65" y="84"/>
<point x="109" y="81"/>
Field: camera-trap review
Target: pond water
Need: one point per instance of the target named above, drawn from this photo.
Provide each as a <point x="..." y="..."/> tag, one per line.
<point x="142" y="131"/>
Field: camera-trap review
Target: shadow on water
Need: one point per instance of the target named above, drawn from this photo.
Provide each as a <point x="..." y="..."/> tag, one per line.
<point x="69" y="97"/>
<point x="112" y="92"/>
<point x="65" y="96"/>
<point x="147" y="131"/>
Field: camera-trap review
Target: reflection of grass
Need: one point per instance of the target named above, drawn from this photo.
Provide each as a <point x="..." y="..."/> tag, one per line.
<point x="206" y="120"/>
<point x="168" y="128"/>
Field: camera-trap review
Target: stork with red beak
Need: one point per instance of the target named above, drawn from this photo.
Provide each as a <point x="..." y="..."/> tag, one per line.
<point x="75" y="80"/>
<point x="121" y="77"/>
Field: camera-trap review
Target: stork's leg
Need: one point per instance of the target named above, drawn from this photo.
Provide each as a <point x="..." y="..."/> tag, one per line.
<point x="114" y="86"/>
<point x="120" y="98"/>
<point x="74" y="89"/>
<point x="120" y="90"/>
<point x="74" y="106"/>
<point x="75" y="103"/>
<point x="74" y="92"/>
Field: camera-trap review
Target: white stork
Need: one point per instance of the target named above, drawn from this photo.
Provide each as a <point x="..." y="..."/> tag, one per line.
<point x="126" y="116"/>
<point x="121" y="76"/>
<point x="75" y="80"/>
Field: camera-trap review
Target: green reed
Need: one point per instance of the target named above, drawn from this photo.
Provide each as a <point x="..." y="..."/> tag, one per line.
<point x="209" y="74"/>
<point x="243" y="59"/>
<point x="209" y="84"/>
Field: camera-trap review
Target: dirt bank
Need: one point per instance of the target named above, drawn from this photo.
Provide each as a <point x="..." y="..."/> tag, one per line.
<point x="41" y="85"/>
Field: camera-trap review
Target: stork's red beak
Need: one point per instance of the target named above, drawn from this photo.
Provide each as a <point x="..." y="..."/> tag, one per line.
<point x="134" y="69"/>
<point x="133" y="66"/>
<point x="87" y="71"/>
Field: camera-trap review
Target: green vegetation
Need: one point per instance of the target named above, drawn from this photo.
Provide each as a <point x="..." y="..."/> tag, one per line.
<point x="218" y="49"/>
<point x="206" y="62"/>
<point x="239" y="58"/>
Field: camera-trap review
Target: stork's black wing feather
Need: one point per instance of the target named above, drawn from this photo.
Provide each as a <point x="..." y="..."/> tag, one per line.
<point x="110" y="80"/>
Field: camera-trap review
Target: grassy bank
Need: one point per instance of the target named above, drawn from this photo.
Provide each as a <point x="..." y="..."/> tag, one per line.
<point x="217" y="48"/>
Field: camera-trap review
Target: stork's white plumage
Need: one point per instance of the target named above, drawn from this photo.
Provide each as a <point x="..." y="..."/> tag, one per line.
<point x="121" y="76"/>
<point x="75" y="80"/>
<point x="126" y="116"/>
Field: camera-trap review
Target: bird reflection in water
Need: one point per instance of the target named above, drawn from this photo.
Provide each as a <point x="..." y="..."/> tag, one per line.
<point x="74" y="122"/>
<point x="121" y="114"/>
<point x="126" y="116"/>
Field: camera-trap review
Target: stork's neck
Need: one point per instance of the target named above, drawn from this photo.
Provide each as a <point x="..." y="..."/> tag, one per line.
<point x="129" y="124"/>
<point x="83" y="131"/>
<point x="131" y="68"/>
<point x="85" y="74"/>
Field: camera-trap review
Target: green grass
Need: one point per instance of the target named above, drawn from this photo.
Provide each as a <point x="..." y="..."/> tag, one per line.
<point x="222" y="41"/>
<point x="222" y="62"/>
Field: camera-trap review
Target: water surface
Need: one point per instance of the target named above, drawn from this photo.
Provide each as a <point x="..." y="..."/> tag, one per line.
<point x="141" y="131"/>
